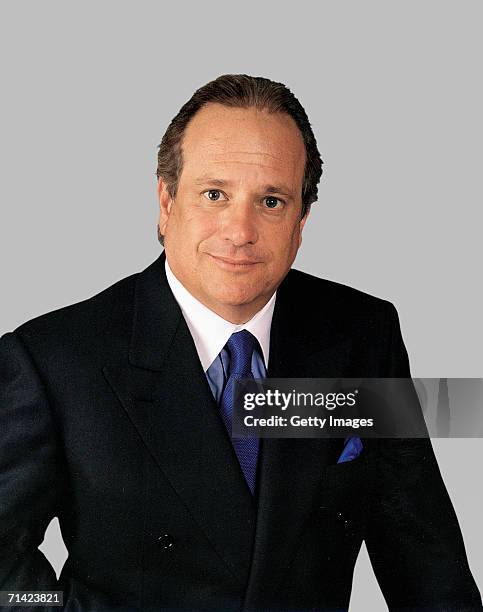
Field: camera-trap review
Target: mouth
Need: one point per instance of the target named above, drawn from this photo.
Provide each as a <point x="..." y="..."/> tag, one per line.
<point x="234" y="264"/>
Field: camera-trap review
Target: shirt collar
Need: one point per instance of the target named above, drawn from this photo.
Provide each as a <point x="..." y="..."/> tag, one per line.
<point x="210" y="331"/>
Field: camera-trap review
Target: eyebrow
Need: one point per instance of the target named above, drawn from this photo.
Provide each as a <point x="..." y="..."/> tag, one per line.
<point x="280" y="189"/>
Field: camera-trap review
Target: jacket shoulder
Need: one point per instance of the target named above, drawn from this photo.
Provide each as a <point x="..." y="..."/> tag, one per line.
<point x="317" y="308"/>
<point x="328" y="294"/>
<point x="98" y="314"/>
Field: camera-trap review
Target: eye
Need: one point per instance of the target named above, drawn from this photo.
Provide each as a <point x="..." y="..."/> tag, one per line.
<point x="214" y="195"/>
<point x="273" y="202"/>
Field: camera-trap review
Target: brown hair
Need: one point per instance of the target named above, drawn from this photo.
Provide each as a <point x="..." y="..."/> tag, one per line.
<point x="240" y="91"/>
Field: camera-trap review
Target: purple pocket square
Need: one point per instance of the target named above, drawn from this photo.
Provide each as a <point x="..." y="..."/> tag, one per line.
<point x="352" y="449"/>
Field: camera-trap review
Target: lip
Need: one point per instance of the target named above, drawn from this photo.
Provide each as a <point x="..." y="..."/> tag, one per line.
<point x="234" y="264"/>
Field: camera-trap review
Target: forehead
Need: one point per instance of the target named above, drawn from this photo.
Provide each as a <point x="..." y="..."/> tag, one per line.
<point x="244" y="140"/>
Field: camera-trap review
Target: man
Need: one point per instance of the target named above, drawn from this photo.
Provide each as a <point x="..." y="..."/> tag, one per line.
<point x="115" y="412"/>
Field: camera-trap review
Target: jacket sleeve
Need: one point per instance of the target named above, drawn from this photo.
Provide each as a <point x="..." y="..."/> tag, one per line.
<point x="412" y="533"/>
<point x="30" y="472"/>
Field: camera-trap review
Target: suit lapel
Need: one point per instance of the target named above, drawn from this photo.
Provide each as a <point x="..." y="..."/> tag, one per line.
<point x="167" y="397"/>
<point x="290" y="470"/>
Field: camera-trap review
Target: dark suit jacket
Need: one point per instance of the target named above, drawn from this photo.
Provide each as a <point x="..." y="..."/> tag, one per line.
<point x="108" y="422"/>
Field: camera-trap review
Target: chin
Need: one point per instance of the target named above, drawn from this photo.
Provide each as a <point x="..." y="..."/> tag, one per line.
<point x="235" y="297"/>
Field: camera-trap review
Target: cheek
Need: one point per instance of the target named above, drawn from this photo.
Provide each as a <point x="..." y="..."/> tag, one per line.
<point x="191" y="229"/>
<point x="200" y="226"/>
<point x="285" y="242"/>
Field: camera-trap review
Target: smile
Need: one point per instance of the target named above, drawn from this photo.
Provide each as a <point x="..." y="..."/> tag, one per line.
<point x="234" y="264"/>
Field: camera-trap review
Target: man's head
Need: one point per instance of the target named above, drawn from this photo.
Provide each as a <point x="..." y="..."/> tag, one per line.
<point x="238" y="169"/>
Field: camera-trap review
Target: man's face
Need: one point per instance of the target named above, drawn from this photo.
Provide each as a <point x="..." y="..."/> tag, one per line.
<point x="234" y="228"/>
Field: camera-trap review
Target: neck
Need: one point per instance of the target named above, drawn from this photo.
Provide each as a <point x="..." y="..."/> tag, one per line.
<point x="237" y="314"/>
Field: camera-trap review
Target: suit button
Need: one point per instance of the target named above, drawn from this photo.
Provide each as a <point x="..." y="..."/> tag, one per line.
<point x="347" y="524"/>
<point x="166" y="540"/>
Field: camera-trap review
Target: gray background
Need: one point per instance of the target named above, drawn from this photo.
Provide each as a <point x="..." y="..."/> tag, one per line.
<point x="394" y="94"/>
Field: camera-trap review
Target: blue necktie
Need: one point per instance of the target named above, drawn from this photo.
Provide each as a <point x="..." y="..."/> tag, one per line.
<point x="240" y="347"/>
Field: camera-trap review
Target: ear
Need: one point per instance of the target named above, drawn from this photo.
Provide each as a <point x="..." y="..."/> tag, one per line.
<point x="302" y="223"/>
<point x="165" y="203"/>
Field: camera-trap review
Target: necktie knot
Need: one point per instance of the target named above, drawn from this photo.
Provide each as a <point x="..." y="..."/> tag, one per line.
<point x="240" y="346"/>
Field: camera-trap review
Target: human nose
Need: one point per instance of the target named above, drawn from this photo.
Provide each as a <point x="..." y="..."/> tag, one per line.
<point x="239" y="224"/>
